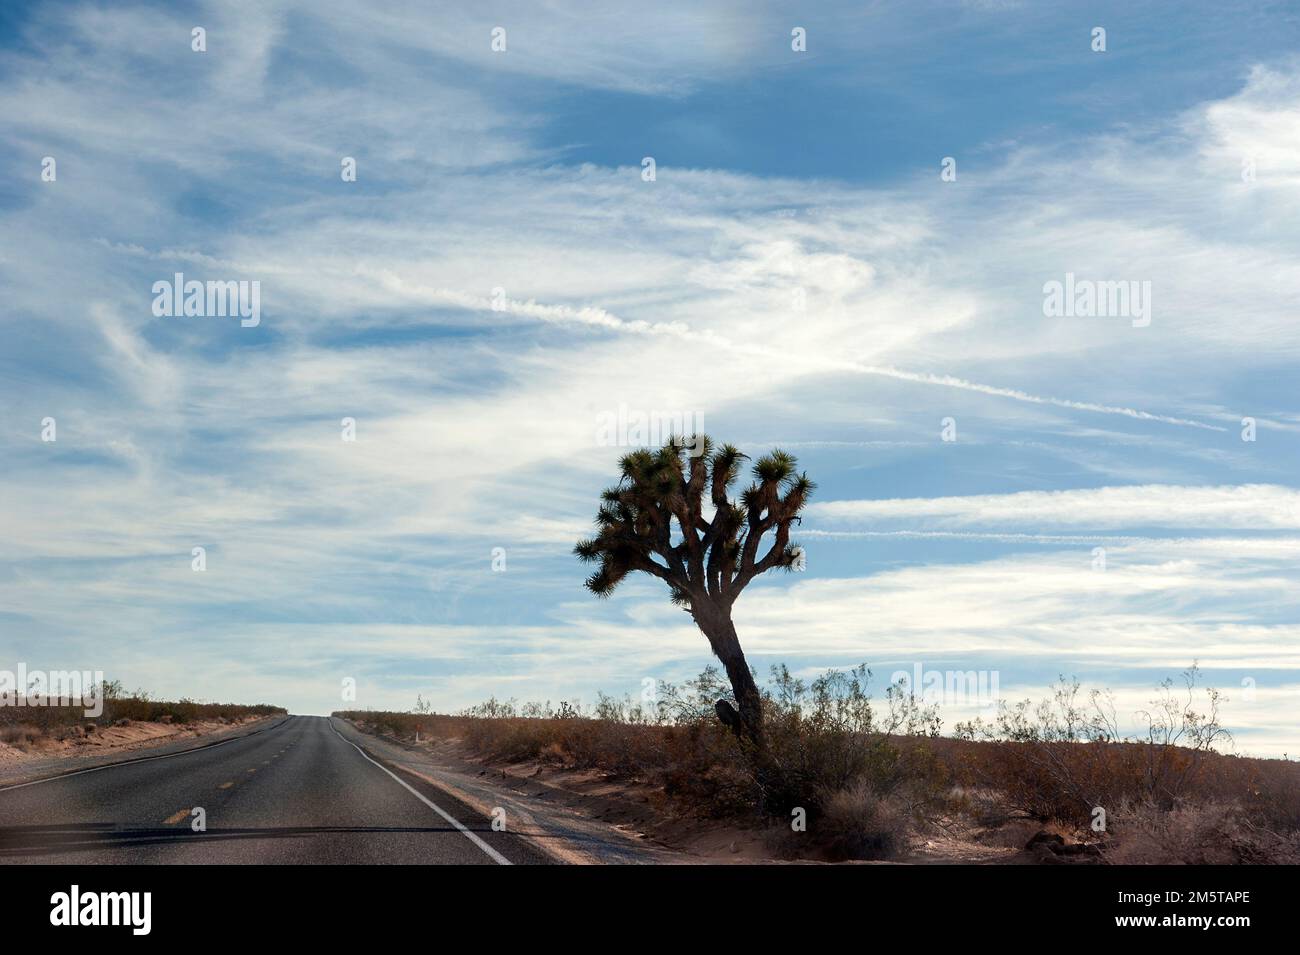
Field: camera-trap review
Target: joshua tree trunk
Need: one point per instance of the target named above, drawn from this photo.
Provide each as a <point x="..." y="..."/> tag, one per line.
<point x="748" y="723"/>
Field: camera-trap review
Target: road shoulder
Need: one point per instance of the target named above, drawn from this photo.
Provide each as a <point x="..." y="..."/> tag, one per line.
<point x="180" y="740"/>
<point x="561" y="832"/>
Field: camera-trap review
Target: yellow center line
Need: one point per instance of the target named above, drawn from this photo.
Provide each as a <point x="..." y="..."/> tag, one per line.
<point x="176" y="817"/>
<point x="225" y="785"/>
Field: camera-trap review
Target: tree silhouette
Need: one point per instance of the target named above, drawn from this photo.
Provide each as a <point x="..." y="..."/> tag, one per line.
<point x="654" y="521"/>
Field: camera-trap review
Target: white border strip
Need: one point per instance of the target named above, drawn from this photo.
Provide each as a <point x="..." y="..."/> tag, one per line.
<point x="492" y="853"/>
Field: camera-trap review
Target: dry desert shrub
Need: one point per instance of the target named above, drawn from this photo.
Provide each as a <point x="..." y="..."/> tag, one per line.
<point x="859" y="823"/>
<point x="864" y="774"/>
<point x="849" y="769"/>
<point x="29" y="723"/>
<point x="1206" y="834"/>
<point x="19" y="735"/>
<point x="1060" y="759"/>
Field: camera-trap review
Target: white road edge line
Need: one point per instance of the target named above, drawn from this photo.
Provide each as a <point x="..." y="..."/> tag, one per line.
<point x="492" y="853"/>
<point x="142" y="759"/>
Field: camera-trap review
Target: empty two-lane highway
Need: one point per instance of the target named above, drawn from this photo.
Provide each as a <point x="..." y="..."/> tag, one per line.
<point x="294" y="793"/>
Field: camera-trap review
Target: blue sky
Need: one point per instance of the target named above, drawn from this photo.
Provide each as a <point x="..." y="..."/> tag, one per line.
<point x="781" y="177"/>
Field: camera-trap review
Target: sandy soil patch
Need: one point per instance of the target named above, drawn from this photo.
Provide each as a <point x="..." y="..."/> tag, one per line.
<point x="106" y="740"/>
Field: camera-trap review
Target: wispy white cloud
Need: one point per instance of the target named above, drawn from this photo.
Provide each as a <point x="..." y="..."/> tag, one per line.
<point x="1252" y="506"/>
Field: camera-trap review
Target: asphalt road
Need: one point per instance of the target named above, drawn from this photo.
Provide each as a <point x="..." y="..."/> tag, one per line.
<point x="295" y="793"/>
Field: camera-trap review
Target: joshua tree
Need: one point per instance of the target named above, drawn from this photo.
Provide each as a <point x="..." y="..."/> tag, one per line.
<point x="706" y="561"/>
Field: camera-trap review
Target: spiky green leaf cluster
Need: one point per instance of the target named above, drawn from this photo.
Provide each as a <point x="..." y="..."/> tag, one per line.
<point x="654" y="520"/>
